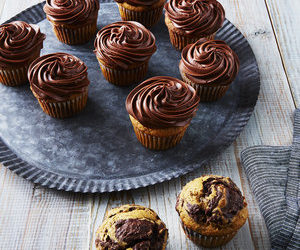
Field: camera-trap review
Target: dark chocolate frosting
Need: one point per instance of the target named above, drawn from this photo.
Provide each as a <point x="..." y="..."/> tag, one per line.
<point x="20" y="42"/>
<point x="195" y="17"/>
<point x="139" y="2"/>
<point x="209" y="62"/>
<point x="58" y="76"/>
<point x="72" y="12"/>
<point x="122" y="44"/>
<point x="162" y="102"/>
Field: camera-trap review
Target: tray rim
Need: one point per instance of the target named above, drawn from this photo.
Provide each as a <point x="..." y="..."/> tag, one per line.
<point x="52" y="180"/>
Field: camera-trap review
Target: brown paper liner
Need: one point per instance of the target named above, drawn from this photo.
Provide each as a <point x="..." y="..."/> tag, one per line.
<point x="124" y="77"/>
<point x="207" y="241"/>
<point x="148" y="17"/>
<point x="14" y="76"/>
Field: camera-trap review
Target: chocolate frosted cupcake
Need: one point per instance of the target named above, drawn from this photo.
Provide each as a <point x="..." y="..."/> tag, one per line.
<point x="147" y="12"/>
<point x="212" y="210"/>
<point x="160" y="109"/>
<point x="132" y="227"/>
<point x="60" y="84"/>
<point x="123" y="50"/>
<point x="210" y="67"/>
<point x="20" y="44"/>
<point x="190" y="20"/>
<point x="73" y="21"/>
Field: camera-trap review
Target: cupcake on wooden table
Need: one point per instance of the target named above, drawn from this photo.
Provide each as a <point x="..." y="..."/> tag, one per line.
<point x="123" y="50"/>
<point x="132" y="227"/>
<point x="210" y="67"/>
<point x="212" y="210"/>
<point x="160" y="109"/>
<point x="73" y="21"/>
<point x="59" y="82"/>
<point x="190" y="20"/>
<point x="20" y="44"/>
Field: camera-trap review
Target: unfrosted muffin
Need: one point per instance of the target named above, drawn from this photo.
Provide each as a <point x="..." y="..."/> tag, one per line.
<point x="210" y="67"/>
<point x="73" y="21"/>
<point x="123" y="50"/>
<point x="60" y="82"/>
<point x="160" y="109"/>
<point x="190" y="20"/>
<point x="132" y="227"/>
<point x="20" y="44"/>
<point x="212" y="210"/>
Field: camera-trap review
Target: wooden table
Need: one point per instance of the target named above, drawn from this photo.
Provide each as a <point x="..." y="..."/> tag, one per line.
<point x="32" y="217"/>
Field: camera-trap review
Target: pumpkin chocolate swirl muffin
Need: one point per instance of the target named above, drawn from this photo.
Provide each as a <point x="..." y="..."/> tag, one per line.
<point x="123" y="50"/>
<point x="20" y="44"/>
<point x="160" y="109"/>
<point x="210" y="67"/>
<point x="132" y="227"/>
<point x="190" y="20"/>
<point x="59" y="82"/>
<point x="73" y="21"/>
<point x="212" y="210"/>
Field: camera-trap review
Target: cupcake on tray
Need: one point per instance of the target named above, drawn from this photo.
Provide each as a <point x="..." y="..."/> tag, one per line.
<point x="73" y="21"/>
<point x="59" y="82"/>
<point x="123" y="50"/>
<point x="160" y="109"/>
<point x="212" y="210"/>
<point x="20" y="44"/>
<point x="132" y="227"/>
<point x="210" y="66"/>
<point x="190" y="20"/>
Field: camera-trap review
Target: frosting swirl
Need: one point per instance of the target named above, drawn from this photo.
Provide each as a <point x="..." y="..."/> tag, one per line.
<point x="19" y="43"/>
<point x="138" y="2"/>
<point x="195" y="17"/>
<point x="124" y="43"/>
<point x="162" y="102"/>
<point x="209" y="62"/>
<point x="72" y="12"/>
<point x="58" y="76"/>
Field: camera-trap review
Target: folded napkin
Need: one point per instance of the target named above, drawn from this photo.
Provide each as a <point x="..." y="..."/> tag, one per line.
<point x="274" y="176"/>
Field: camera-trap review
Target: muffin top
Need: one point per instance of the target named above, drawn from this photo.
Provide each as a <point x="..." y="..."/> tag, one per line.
<point x="131" y="227"/>
<point x="139" y="2"/>
<point x="209" y="62"/>
<point x="19" y="43"/>
<point x="195" y="17"/>
<point x="58" y="76"/>
<point x="162" y="102"/>
<point x="72" y="12"/>
<point x="122" y="44"/>
<point x="212" y="205"/>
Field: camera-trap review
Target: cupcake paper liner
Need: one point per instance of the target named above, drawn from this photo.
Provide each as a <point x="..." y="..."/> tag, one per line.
<point x="14" y="76"/>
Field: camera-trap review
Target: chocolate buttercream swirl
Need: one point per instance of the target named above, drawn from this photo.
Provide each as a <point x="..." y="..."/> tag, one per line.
<point x="209" y="62"/>
<point x="72" y="12"/>
<point x="20" y="42"/>
<point x="162" y="102"/>
<point x="122" y="44"/>
<point x="138" y="2"/>
<point x="58" y="76"/>
<point x="195" y="17"/>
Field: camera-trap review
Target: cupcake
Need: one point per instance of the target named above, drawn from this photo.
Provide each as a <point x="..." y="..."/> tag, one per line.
<point x="123" y="50"/>
<point x="147" y="12"/>
<point x="73" y="21"/>
<point x="210" y="67"/>
<point x="190" y="20"/>
<point x="20" y="44"/>
<point x="212" y="210"/>
<point x="132" y="227"/>
<point x="160" y="109"/>
<point x="59" y="82"/>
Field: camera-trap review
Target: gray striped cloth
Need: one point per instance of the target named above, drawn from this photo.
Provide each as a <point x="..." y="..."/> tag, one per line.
<point x="274" y="176"/>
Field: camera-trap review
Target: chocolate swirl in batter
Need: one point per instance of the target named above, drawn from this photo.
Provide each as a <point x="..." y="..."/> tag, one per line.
<point x="138" y="2"/>
<point x="209" y="62"/>
<point x="122" y="44"/>
<point x="58" y="76"/>
<point x="20" y="42"/>
<point x="162" y="102"/>
<point x="72" y="12"/>
<point x="195" y="17"/>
